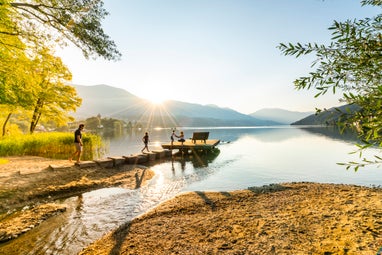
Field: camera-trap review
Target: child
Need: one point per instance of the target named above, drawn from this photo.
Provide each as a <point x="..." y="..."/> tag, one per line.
<point x="172" y="137"/>
<point x="146" y="140"/>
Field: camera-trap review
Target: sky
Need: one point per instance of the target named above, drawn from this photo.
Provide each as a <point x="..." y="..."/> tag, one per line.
<point x="221" y="52"/>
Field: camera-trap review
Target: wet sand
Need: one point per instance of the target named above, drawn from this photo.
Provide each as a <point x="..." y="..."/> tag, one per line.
<point x="29" y="187"/>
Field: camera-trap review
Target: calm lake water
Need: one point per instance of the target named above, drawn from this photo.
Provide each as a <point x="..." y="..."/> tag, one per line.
<point x="263" y="155"/>
<point x="245" y="157"/>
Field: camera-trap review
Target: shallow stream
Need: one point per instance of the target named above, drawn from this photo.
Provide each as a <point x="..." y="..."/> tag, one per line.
<point x="91" y="215"/>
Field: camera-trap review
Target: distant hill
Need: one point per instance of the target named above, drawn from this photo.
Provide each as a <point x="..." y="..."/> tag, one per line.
<point x="117" y="103"/>
<point x="104" y="100"/>
<point x="280" y="115"/>
<point x="328" y="117"/>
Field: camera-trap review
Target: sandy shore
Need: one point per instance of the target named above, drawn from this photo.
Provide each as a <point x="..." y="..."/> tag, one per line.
<point x="290" y="218"/>
<point x="298" y="218"/>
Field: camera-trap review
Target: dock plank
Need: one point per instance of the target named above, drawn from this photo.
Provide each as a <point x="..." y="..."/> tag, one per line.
<point x="189" y="144"/>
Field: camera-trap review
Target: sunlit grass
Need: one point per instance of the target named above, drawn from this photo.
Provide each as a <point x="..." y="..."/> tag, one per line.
<point x="56" y="145"/>
<point x="3" y="161"/>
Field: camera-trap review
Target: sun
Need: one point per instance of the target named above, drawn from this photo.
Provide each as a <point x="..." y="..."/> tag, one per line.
<point x="156" y="100"/>
<point x="157" y="97"/>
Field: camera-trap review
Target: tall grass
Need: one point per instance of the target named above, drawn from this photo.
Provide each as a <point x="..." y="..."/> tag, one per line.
<point x="56" y="145"/>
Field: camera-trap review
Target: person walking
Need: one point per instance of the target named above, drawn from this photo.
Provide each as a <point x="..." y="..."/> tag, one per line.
<point x="78" y="143"/>
<point x="146" y="141"/>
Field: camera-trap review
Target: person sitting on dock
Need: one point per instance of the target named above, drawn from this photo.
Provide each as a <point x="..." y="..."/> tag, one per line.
<point x="181" y="137"/>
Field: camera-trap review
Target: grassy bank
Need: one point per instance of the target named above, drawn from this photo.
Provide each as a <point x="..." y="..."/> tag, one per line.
<point x="57" y="145"/>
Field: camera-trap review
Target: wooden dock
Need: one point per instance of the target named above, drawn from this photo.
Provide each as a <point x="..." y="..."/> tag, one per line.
<point x="190" y="145"/>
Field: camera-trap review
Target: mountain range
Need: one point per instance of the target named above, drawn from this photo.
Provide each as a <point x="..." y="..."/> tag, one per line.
<point x="280" y="115"/>
<point x="113" y="102"/>
<point x="327" y="117"/>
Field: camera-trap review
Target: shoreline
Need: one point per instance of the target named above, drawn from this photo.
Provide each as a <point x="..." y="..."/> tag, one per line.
<point x="29" y="188"/>
<point x="288" y="218"/>
<point x="285" y="218"/>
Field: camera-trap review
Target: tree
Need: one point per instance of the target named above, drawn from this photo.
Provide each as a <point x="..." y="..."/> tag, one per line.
<point x="53" y="98"/>
<point x="27" y="28"/>
<point x="352" y="63"/>
<point x="16" y="85"/>
<point x="38" y="22"/>
<point x="93" y="123"/>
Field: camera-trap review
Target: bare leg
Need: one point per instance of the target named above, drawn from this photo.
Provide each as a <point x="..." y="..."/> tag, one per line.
<point x="78" y="157"/>
<point x="73" y="155"/>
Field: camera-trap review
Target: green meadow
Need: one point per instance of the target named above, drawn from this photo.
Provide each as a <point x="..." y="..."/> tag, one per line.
<point x="57" y="145"/>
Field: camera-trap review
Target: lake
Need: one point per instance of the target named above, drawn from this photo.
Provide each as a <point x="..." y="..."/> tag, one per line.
<point x="245" y="157"/>
<point x="263" y="155"/>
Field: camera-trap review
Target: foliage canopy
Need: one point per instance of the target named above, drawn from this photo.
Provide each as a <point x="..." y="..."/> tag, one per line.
<point x="39" y="22"/>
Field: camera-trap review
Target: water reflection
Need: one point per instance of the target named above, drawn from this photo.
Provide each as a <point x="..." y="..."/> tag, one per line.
<point x="131" y="141"/>
<point x="197" y="160"/>
<point x="334" y="133"/>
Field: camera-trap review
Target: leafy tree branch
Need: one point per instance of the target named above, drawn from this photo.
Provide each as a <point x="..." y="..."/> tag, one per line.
<point x="41" y="21"/>
<point x="351" y="63"/>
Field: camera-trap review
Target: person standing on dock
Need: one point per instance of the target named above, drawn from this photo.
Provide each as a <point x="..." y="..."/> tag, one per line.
<point x="146" y="140"/>
<point x="172" y="137"/>
<point x="78" y="143"/>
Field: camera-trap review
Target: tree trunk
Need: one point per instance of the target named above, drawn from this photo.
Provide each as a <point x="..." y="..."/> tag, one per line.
<point x="36" y="115"/>
<point x="5" y="123"/>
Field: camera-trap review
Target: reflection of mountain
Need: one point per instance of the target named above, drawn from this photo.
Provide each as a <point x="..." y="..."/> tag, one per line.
<point x="276" y="135"/>
<point x="268" y="134"/>
<point x="334" y="133"/>
<point x="281" y="133"/>
<point x="199" y="160"/>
